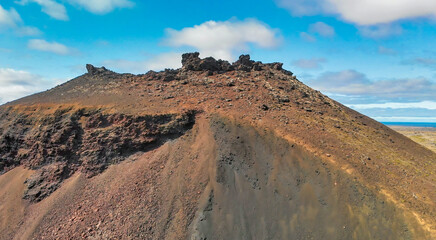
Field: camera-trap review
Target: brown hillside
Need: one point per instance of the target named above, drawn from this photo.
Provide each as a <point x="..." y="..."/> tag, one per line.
<point x="210" y="151"/>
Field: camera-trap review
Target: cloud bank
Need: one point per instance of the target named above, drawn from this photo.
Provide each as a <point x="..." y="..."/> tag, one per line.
<point x="351" y="82"/>
<point x="363" y="12"/>
<point x="309" y="64"/>
<point x="53" y="47"/>
<point x="15" y="84"/>
<point x="322" y="29"/>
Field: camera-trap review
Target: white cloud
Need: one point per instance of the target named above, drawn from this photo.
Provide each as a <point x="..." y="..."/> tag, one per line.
<point x="363" y="12"/>
<point x="165" y="60"/>
<point x="54" y="47"/>
<point x="28" y="31"/>
<point x="12" y="20"/>
<point x="9" y="18"/>
<point x="222" y="39"/>
<point x="58" y="11"/>
<point x="50" y="7"/>
<point x="322" y="29"/>
<point x="312" y="63"/>
<point x="102" y="6"/>
<point x="53" y="9"/>
<point x="344" y="79"/>
<point x="371" y="12"/>
<point x="156" y="63"/>
<point x="15" y="84"/>
<point x="307" y="37"/>
<point x="430" y="105"/>
<point x="380" y="31"/>
<point x="304" y="7"/>
<point x="386" y="51"/>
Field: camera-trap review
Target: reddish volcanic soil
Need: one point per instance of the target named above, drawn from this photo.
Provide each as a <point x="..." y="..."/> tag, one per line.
<point x="210" y="151"/>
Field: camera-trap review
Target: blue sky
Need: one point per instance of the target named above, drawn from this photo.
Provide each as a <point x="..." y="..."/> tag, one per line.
<point x="378" y="57"/>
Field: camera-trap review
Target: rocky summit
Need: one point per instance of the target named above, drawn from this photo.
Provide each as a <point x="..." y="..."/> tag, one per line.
<point x="213" y="150"/>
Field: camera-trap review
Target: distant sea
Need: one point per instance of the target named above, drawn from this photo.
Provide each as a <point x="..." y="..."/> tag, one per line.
<point x="410" y="124"/>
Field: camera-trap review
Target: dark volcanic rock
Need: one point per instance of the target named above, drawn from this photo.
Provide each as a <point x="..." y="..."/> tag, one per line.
<point x="95" y="70"/>
<point x="244" y="60"/>
<point x="192" y="62"/>
<point x="276" y="65"/>
<point x="45" y="181"/>
<point x="103" y="73"/>
<point x="88" y="140"/>
<point x="244" y="63"/>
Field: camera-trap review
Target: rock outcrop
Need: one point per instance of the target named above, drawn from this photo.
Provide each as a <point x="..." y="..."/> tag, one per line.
<point x="95" y="70"/>
<point x="79" y="139"/>
<point x="192" y="62"/>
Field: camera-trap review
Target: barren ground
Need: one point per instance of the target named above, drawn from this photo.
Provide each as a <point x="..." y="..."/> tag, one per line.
<point x="425" y="136"/>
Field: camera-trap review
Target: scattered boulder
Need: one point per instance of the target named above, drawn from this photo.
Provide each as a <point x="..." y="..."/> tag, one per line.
<point x="264" y="107"/>
<point x="190" y="61"/>
<point x="244" y="63"/>
<point x="275" y="65"/>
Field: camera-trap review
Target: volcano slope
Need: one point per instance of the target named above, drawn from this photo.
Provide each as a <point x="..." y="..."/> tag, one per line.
<point x="210" y="151"/>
